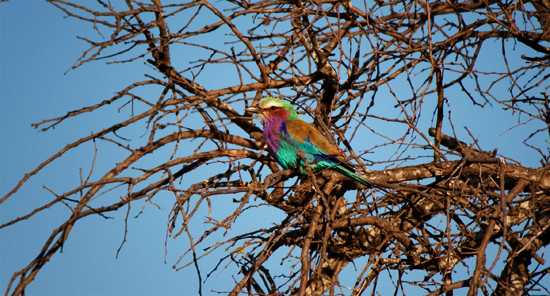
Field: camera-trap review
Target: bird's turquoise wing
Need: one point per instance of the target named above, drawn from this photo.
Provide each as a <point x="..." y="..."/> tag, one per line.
<point x="303" y="145"/>
<point x="311" y="147"/>
<point x="302" y="132"/>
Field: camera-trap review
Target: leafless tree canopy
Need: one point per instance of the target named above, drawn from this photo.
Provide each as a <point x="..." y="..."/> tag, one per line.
<point x="386" y="80"/>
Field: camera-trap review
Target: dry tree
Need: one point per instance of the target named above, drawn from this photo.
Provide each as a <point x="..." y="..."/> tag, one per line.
<point x="391" y="82"/>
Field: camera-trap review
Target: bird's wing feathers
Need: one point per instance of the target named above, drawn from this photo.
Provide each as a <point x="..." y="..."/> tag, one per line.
<point x="313" y="142"/>
<point x="304" y="143"/>
<point x="301" y="131"/>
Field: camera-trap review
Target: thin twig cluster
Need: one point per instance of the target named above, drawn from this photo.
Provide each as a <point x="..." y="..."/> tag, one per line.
<point x="385" y="80"/>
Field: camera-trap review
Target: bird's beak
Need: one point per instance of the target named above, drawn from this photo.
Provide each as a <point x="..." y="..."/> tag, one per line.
<point x="253" y="109"/>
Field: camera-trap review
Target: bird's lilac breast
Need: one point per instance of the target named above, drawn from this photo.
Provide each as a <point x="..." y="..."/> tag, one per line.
<point x="273" y="127"/>
<point x="277" y="139"/>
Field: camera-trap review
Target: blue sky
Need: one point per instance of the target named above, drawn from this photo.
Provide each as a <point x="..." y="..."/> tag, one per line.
<point x="36" y="85"/>
<point x="38" y="47"/>
<point x="35" y="55"/>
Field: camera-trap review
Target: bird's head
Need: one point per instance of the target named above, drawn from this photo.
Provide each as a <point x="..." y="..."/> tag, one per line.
<point x="270" y="106"/>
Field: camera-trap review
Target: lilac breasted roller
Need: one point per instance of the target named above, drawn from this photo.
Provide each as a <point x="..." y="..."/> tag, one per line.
<point x="296" y="144"/>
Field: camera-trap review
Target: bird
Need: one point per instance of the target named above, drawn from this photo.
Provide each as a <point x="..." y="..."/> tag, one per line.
<point x="297" y="144"/>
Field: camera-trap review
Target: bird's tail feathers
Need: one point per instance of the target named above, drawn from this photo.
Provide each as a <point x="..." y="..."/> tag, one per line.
<point x="352" y="175"/>
<point x="335" y="163"/>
